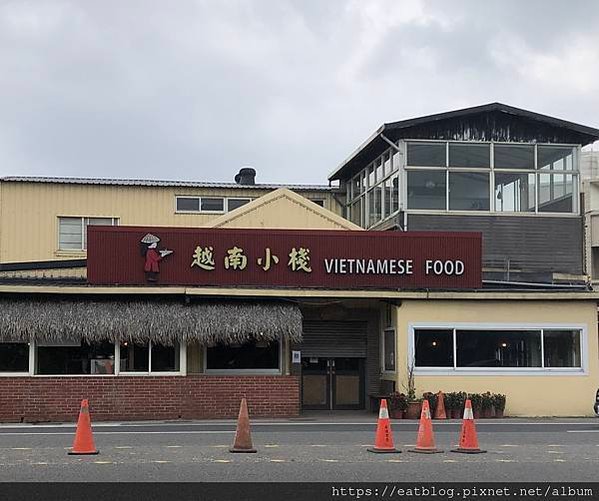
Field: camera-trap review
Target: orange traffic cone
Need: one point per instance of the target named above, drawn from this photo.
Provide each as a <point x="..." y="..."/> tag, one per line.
<point x="440" y="409"/>
<point x="84" y="440"/>
<point x="425" y="444"/>
<point x="384" y="437"/>
<point x="243" y="437"/>
<point x="468" y="439"/>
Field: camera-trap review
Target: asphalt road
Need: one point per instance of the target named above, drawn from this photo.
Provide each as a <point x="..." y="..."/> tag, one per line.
<point x="540" y="450"/>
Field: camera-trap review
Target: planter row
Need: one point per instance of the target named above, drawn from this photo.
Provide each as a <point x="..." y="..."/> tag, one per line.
<point x="413" y="408"/>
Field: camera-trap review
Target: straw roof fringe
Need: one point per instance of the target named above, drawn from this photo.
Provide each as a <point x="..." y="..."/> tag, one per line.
<point x="161" y="322"/>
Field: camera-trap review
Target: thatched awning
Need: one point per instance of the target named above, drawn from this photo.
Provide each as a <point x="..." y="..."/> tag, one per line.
<point x="160" y="321"/>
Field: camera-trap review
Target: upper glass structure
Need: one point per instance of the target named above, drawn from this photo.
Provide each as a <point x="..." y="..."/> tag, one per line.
<point x="424" y="176"/>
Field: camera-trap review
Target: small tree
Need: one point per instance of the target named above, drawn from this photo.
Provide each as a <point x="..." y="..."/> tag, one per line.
<point x="410" y="385"/>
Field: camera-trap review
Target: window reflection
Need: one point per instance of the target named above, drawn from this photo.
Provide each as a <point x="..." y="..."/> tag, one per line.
<point x="514" y="192"/>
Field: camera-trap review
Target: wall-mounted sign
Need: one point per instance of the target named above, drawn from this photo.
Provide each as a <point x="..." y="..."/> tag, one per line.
<point x="283" y="258"/>
<point x="296" y="357"/>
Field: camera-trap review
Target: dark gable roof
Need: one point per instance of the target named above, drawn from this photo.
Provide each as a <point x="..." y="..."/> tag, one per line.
<point x="489" y="122"/>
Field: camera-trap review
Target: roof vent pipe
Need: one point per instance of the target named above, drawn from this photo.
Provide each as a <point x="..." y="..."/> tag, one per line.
<point x="246" y="176"/>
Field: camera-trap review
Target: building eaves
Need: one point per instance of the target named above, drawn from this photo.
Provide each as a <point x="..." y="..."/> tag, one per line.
<point x="375" y="142"/>
<point x="164" y="183"/>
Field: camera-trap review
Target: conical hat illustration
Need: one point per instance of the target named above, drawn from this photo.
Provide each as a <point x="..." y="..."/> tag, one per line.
<point x="150" y="239"/>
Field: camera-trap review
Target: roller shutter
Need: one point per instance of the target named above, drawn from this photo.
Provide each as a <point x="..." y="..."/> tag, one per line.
<point x="334" y="339"/>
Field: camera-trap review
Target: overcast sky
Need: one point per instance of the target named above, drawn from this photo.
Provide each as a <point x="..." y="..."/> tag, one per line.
<point x="193" y="89"/>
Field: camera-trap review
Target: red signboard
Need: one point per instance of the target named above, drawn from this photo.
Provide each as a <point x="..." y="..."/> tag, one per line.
<point x="126" y="255"/>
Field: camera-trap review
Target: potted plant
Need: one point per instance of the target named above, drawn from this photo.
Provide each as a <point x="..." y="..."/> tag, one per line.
<point x="414" y="404"/>
<point x="398" y="404"/>
<point x="486" y="405"/>
<point x="450" y="403"/>
<point x="476" y="401"/>
<point x="499" y="404"/>
<point x="432" y="401"/>
<point x="459" y="402"/>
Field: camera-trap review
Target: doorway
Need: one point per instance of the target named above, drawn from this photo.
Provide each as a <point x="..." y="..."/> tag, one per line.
<point x="332" y="383"/>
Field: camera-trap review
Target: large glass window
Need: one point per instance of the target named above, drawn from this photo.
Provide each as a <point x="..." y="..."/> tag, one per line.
<point x="246" y="356"/>
<point x="426" y="154"/>
<point x="555" y="157"/>
<point x="486" y="348"/>
<point x="75" y="357"/>
<point x="375" y="205"/>
<point x="426" y="189"/>
<point x="514" y="192"/>
<point x="136" y="357"/>
<point x="482" y="348"/>
<point x="562" y="348"/>
<point x="14" y="357"/>
<point x="389" y="350"/>
<point x="469" y="155"/>
<point x="468" y="191"/>
<point x="556" y="193"/>
<point x="509" y="156"/>
<point x="434" y="347"/>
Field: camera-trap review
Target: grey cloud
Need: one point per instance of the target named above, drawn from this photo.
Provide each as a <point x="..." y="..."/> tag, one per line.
<point x="195" y="89"/>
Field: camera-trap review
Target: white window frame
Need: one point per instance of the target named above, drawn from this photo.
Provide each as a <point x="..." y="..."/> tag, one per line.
<point x="222" y="372"/>
<point x="507" y="371"/>
<point x="199" y="199"/>
<point x="117" y="365"/>
<point x="575" y="172"/>
<point x="382" y="359"/>
<point x="247" y="199"/>
<point x="115" y="222"/>
<point x="182" y="363"/>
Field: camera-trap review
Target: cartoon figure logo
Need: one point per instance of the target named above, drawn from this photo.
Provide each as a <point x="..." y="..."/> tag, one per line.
<point x="149" y="250"/>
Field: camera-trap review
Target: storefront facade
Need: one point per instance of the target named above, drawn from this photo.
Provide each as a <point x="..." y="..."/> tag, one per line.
<point x="173" y="310"/>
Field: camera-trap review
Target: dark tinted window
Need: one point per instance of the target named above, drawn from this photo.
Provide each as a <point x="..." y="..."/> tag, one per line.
<point x="426" y="154"/>
<point x="469" y="155"/>
<point x="434" y="348"/>
<point x="251" y="355"/>
<point x="188" y="204"/>
<point x="75" y="358"/>
<point x="480" y="348"/>
<point x="134" y="357"/>
<point x="468" y="191"/>
<point x="14" y="357"/>
<point x="426" y="189"/>
<point x="514" y="157"/>
<point x="213" y="204"/>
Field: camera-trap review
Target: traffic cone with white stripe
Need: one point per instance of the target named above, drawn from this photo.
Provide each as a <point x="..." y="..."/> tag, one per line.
<point x="468" y="439"/>
<point x="84" y="440"/>
<point x="383" y="443"/>
<point x="425" y="443"/>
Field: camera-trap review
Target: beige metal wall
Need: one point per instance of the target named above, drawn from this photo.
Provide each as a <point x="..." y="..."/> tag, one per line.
<point x="29" y="211"/>
<point x="527" y="395"/>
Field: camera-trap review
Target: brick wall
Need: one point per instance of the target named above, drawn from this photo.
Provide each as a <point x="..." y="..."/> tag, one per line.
<point x="31" y="399"/>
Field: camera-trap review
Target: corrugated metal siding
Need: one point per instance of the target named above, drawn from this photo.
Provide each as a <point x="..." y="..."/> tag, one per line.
<point x="28" y="212"/>
<point x="532" y="244"/>
<point x="334" y="339"/>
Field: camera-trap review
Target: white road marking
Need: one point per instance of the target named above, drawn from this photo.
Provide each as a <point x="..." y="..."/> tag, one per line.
<point x="582" y="431"/>
<point x="509" y="445"/>
<point x="173" y="446"/>
<point x="330" y="460"/>
<point x="270" y="446"/>
<point x="506" y="461"/>
<point x="160" y="461"/>
<point x="21" y="448"/>
<point x="221" y="461"/>
<point x="123" y="447"/>
<point x="559" y="460"/>
<point x="103" y="462"/>
<point x="277" y="461"/>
